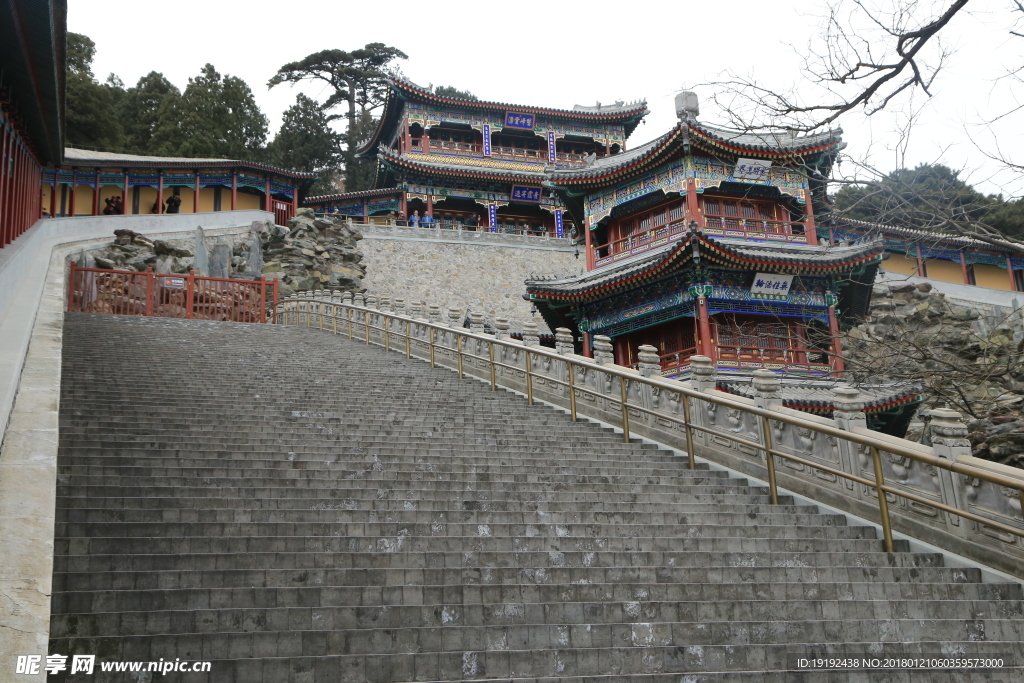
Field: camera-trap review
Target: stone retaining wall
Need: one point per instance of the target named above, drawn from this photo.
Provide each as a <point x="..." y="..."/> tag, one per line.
<point x="485" y="277"/>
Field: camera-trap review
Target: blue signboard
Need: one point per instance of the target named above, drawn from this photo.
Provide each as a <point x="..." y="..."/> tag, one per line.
<point x="487" y="139"/>
<point x="551" y="147"/>
<point x="559" y="229"/>
<point x="516" y="120"/>
<point x="492" y="216"/>
<point x="523" y="193"/>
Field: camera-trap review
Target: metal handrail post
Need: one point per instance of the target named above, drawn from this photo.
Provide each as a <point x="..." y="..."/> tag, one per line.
<point x="366" y="325"/>
<point x="689" y="432"/>
<point x="529" y="378"/>
<point x="623" y="384"/>
<point x="432" y="338"/>
<point x="572" y="390"/>
<point x="408" y="341"/>
<point x="770" y="459"/>
<point x="458" y="352"/>
<point x="883" y="504"/>
<point x="494" y="384"/>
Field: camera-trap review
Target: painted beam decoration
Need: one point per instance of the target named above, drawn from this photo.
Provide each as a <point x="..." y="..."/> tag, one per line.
<point x="772" y="286"/>
<point x="518" y="120"/>
<point x="525" y="193"/>
<point x="671" y="177"/>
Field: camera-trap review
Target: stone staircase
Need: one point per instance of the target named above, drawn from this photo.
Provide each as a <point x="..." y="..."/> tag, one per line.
<point x="297" y="507"/>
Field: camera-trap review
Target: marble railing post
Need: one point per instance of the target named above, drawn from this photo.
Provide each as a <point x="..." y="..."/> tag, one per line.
<point x="603" y="350"/>
<point x="531" y="337"/>
<point x="563" y="341"/>
<point x="767" y="389"/>
<point x="650" y="361"/>
<point x="949" y="441"/>
<point x="501" y="326"/>
<point x="476" y="322"/>
<point x="434" y="314"/>
<point x="454" y="317"/>
<point x="703" y="373"/>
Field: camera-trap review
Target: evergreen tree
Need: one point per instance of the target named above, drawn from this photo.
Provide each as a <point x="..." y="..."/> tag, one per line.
<point x="90" y="113"/>
<point x="215" y="117"/>
<point x="921" y="198"/>
<point x="140" y="108"/>
<point x="360" y="173"/>
<point x="453" y="92"/>
<point x="359" y="79"/>
<point x="306" y="143"/>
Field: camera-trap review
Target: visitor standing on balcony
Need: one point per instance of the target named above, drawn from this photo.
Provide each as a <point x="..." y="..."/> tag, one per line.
<point x="427" y="220"/>
<point x="173" y="204"/>
<point x="414" y="220"/>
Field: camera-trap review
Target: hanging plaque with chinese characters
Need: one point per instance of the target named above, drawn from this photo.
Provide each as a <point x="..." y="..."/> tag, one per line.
<point x="487" y="139"/>
<point x="752" y="170"/>
<point x="517" y="120"/>
<point x="771" y="286"/>
<point x="522" y="193"/>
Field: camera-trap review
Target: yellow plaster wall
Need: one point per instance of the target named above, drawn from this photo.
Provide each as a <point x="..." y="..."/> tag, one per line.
<point x="206" y="199"/>
<point x="248" y="201"/>
<point x="147" y="197"/>
<point x="83" y="200"/>
<point x="47" y="193"/>
<point x="187" y="195"/>
<point x="991" y="276"/>
<point x="947" y="271"/>
<point x="900" y="263"/>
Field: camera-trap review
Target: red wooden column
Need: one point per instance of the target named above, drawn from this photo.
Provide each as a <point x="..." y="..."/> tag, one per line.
<point x="74" y="187"/>
<point x="126" y="207"/>
<point x="707" y="342"/>
<point x="195" y="197"/>
<point x="921" y="272"/>
<point x="963" y="269"/>
<point x="692" y="204"/>
<point x="160" y="192"/>
<point x="588" y="350"/>
<point x="4" y="138"/>
<point x="809" y="231"/>
<point x="295" y="200"/>
<point x="234" y="190"/>
<point x="1009" y="272"/>
<point x="588" y="244"/>
<point x="430" y="205"/>
<point x="268" y="202"/>
<point x="838" y="366"/>
<point x="96" y="196"/>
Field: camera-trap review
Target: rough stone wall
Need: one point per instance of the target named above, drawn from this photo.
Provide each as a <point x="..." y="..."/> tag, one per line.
<point x="478" y="277"/>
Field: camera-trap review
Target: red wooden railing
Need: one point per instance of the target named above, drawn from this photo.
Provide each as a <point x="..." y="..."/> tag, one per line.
<point x="283" y="211"/>
<point x="125" y="292"/>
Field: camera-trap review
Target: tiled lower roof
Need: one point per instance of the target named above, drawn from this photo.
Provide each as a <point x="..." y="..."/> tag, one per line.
<point x="776" y="258"/>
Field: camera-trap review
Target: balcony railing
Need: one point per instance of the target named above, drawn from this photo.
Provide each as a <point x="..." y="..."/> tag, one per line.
<point x="639" y="241"/>
<point x="474" y="149"/>
<point x="753" y="225"/>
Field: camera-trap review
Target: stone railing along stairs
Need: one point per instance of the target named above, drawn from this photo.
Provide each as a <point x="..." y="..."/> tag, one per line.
<point x="298" y="507"/>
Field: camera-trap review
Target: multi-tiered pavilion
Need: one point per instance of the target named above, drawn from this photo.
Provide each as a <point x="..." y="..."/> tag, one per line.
<point x="481" y="164"/>
<point x="703" y="242"/>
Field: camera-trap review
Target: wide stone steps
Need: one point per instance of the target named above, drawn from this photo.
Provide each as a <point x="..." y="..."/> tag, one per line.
<point x="518" y="614"/>
<point x="297" y="508"/>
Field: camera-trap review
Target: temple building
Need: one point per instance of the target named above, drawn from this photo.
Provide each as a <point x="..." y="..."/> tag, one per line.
<point x="947" y="258"/>
<point x="478" y="164"/>
<point x="704" y="242"/>
<point x="81" y="183"/>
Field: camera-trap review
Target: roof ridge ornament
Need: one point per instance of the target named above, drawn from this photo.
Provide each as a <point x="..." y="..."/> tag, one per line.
<point x="687" y="105"/>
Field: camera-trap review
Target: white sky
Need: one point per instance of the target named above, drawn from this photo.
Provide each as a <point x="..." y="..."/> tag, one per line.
<point x="560" y="53"/>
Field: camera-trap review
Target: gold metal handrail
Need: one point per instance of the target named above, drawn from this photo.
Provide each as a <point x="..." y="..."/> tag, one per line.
<point x="626" y="375"/>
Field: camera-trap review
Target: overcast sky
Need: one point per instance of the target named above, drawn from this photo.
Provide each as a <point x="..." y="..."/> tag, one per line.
<point x="558" y="53"/>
